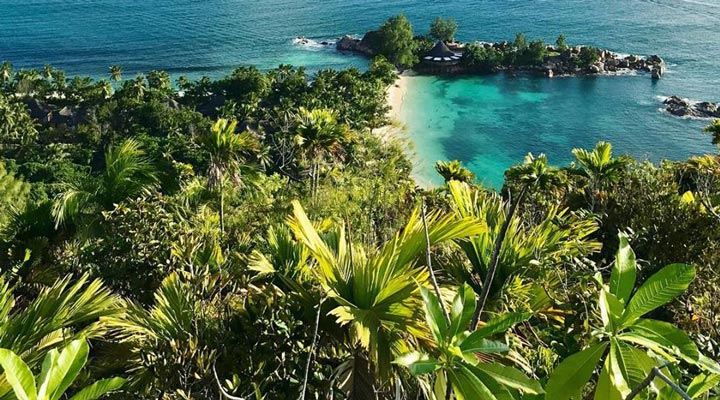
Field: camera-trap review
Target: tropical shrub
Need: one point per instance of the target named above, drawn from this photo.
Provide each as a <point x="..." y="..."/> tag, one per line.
<point x="459" y="358"/>
<point x="627" y="346"/>
<point x="59" y="371"/>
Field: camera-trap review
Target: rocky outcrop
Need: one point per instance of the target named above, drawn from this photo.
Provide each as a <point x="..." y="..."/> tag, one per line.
<point x="685" y="108"/>
<point x="362" y="46"/>
<point x="566" y="63"/>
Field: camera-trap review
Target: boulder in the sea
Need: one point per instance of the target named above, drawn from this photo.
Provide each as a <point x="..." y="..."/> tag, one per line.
<point x="680" y="107"/>
<point x="364" y="46"/>
<point x="347" y="43"/>
<point x="708" y="108"/>
<point x="658" y="71"/>
<point x="655" y="60"/>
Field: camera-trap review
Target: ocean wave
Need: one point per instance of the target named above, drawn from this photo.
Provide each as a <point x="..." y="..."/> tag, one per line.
<point x="623" y="72"/>
<point x="313" y="44"/>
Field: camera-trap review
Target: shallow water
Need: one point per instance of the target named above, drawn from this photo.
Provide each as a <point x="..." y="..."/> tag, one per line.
<point x="489" y="123"/>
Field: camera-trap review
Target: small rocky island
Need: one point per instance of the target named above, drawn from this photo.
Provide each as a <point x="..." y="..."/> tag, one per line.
<point x="688" y="109"/>
<point x="456" y="58"/>
<point x="438" y="53"/>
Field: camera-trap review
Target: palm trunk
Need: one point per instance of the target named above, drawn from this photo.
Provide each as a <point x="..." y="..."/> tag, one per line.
<point x="495" y="259"/>
<point x="222" y="207"/>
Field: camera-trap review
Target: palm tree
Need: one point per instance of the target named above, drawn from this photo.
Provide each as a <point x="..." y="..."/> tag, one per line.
<point x="318" y="132"/>
<point x="375" y="291"/>
<point x="59" y="81"/>
<point x="67" y="310"/>
<point x="600" y="168"/>
<point x="106" y="88"/>
<point x="227" y="151"/>
<point x="27" y="81"/>
<point x="558" y="237"/>
<point x="454" y="171"/>
<point x="138" y="87"/>
<point x="128" y="172"/>
<point x="116" y="73"/>
<point x="178" y="323"/>
<point x="17" y="128"/>
<point x="533" y="172"/>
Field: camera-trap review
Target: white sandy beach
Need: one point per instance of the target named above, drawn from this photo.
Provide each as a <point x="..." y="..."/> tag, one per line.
<point x="397" y="130"/>
<point x="396" y="97"/>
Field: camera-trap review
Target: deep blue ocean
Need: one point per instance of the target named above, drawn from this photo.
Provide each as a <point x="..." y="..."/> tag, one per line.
<point x="489" y="123"/>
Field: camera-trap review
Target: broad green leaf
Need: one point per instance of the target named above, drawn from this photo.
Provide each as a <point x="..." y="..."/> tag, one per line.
<point x="663" y="334"/>
<point x="702" y="384"/>
<point x="501" y="324"/>
<point x="622" y="278"/>
<point x="708" y="364"/>
<point x="71" y="360"/>
<point x="474" y="344"/>
<point x="569" y="378"/>
<point x="668" y="393"/>
<point x="661" y="288"/>
<point x="461" y="312"/>
<point x="619" y="375"/>
<point x="511" y="377"/>
<point x="440" y="386"/>
<point x="18" y="375"/>
<point x="99" y="389"/>
<point x="639" y="339"/>
<point x="418" y="363"/>
<point x="501" y="392"/>
<point x="605" y="390"/>
<point x="434" y="316"/>
<point x="610" y="311"/>
<point x="638" y="363"/>
<point x="45" y="379"/>
<point x="467" y="386"/>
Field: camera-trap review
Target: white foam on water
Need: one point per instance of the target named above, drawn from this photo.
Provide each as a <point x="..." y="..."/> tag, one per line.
<point x="313" y="44"/>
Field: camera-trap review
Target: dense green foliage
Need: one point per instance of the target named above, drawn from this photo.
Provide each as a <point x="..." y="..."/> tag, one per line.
<point x="251" y="237"/>
<point x="443" y="29"/>
<point x="396" y="41"/>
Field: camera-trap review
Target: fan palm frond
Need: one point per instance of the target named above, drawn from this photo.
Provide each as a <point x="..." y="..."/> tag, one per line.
<point x="377" y="289"/>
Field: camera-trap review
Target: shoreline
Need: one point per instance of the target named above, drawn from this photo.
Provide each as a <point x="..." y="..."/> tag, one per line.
<point x="396" y="95"/>
<point x="396" y="129"/>
<point x="395" y="98"/>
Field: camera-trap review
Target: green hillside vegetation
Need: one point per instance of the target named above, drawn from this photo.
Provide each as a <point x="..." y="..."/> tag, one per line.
<point x="252" y="237"/>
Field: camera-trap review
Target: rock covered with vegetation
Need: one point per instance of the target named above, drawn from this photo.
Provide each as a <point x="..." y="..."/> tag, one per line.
<point x="250" y="237"/>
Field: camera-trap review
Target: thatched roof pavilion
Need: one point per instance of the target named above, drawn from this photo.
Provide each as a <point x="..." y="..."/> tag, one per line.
<point x="441" y="54"/>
